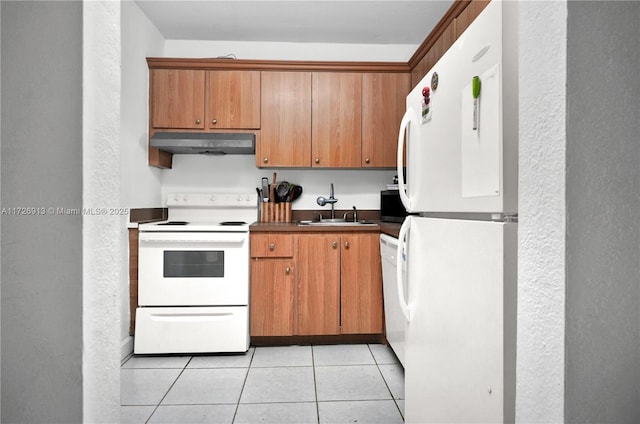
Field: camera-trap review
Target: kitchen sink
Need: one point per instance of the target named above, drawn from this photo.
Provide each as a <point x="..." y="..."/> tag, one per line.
<point x="336" y="222"/>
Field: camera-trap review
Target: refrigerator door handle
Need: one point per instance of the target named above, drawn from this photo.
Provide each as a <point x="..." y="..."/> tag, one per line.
<point x="402" y="253"/>
<point x="406" y="120"/>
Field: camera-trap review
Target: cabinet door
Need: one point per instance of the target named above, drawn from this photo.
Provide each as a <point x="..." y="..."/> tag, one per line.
<point x="272" y="291"/>
<point x="383" y="104"/>
<point x="362" y="310"/>
<point x="318" y="284"/>
<point x="233" y="99"/>
<point x="285" y="133"/>
<point x="336" y="119"/>
<point x="177" y="98"/>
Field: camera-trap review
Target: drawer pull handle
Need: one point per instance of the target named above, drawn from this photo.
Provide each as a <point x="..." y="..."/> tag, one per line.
<point x="287" y="270"/>
<point x="214" y="121"/>
<point x="272" y="247"/>
<point x="197" y="121"/>
<point x="334" y="244"/>
<point x="346" y="244"/>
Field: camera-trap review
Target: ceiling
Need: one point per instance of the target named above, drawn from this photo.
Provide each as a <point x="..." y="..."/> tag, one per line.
<point x="306" y="21"/>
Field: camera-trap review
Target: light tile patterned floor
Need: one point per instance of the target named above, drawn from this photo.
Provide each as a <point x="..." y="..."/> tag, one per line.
<point x="290" y="384"/>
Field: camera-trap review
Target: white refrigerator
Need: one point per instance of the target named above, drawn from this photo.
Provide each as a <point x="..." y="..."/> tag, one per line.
<point x="460" y="132"/>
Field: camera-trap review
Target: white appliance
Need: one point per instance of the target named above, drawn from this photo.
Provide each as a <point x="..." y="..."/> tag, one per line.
<point x="461" y="180"/>
<point x="395" y="322"/>
<point x="193" y="276"/>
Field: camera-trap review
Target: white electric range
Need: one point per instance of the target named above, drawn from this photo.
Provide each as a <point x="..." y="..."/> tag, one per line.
<point x="193" y="275"/>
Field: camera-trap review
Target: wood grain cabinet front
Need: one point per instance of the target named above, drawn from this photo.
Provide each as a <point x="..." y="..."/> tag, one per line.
<point x="285" y="138"/>
<point x="272" y="297"/>
<point x="233" y="100"/>
<point x="336" y="119"/>
<point x="177" y="98"/>
<point x="272" y="277"/>
<point x="330" y="285"/>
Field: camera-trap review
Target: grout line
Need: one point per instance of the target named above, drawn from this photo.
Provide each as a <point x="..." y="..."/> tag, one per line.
<point x="315" y="384"/>
<point x="395" y="401"/>
<point x="168" y="390"/>
<point x="244" y="383"/>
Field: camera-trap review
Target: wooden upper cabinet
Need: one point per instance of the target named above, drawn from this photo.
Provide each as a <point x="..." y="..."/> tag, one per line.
<point x="233" y="99"/>
<point x="336" y="119"/>
<point x="437" y="50"/>
<point x="177" y="98"/>
<point x="468" y="15"/>
<point x="285" y="134"/>
<point x="383" y="104"/>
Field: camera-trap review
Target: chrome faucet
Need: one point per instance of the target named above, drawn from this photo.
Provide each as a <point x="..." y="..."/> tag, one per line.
<point x="332" y="200"/>
<point x="354" y="213"/>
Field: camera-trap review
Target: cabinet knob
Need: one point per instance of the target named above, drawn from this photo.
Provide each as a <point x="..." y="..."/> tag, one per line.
<point x="367" y="160"/>
<point x="346" y="244"/>
<point x="334" y="244"/>
<point x="265" y="160"/>
<point x="287" y="270"/>
<point x="317" y="160"/>
<point x="214" y="121"/>
<point x="197" y="121"/>
<point x="272" y="247"/>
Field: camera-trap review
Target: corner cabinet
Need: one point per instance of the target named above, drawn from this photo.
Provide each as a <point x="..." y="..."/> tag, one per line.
<point x="330" y="285"/>
<point x="383" y="105"/>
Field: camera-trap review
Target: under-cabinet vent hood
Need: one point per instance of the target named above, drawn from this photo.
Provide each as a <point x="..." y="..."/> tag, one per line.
<point x="205" y="143"/>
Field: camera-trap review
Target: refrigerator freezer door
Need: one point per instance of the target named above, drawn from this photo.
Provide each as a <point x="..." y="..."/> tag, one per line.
<point x="452" y="167"/>
<point x="460" y="356"/>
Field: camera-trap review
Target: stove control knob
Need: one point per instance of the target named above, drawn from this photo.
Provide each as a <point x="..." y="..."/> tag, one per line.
<point x="185" y="198"/>
<point x="176" y="197"/>
<point x="212" y="198"/>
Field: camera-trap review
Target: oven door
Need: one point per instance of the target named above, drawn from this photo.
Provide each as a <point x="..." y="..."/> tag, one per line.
<point x="193" y="269"/>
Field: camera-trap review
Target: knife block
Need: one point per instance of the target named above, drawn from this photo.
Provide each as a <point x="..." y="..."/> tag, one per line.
<point x="275" y="212"/>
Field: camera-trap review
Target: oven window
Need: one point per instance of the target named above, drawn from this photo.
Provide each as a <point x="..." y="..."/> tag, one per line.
<point x="193" y="263"/>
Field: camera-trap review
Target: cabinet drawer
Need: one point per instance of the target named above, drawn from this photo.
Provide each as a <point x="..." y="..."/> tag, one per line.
<point x="271" y="245"/>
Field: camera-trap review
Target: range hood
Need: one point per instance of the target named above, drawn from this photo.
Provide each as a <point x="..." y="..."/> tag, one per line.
<point x="190" y="143"/>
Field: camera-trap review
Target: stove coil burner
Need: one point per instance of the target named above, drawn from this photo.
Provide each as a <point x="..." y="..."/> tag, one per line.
<point x="233" y="223"/>
<point x="174" y="223"/>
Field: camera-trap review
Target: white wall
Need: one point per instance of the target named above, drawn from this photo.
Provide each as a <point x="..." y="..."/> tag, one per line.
<point x="290" y="51"/>
<point x="103" y="238"/>
<point x="602" y="373"/>
<point x="139" y="183"/>
<point x="579" y="236"/>
<point x="42" y="340"/>
<point x="542" y="213"/>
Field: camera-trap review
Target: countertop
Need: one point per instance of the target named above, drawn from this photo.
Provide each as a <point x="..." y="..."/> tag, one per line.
<point x="389" y="228"/>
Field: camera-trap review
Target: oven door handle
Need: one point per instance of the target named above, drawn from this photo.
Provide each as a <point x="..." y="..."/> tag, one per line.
<point x="208" y="240"/>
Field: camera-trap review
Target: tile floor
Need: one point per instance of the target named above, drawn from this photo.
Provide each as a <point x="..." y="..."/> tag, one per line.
<point x="289" y="384"/>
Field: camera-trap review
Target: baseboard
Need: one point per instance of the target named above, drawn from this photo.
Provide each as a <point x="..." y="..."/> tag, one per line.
<point x="126" y="348"/>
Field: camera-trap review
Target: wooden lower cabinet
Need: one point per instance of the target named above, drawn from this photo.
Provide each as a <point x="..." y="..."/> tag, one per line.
<point x="318" y="284"/>
<point x="361" y="289"/>
<point x="272" y="297"/>
<point x="332" y="285"/>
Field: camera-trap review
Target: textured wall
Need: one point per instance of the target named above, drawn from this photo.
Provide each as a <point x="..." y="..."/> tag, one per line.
<point x="139" y="183"/>
<point x="102" y="238"/>
<point x="541" y="209"/>
<point x="603" y="213"/>
<point x="41" y="254"/>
